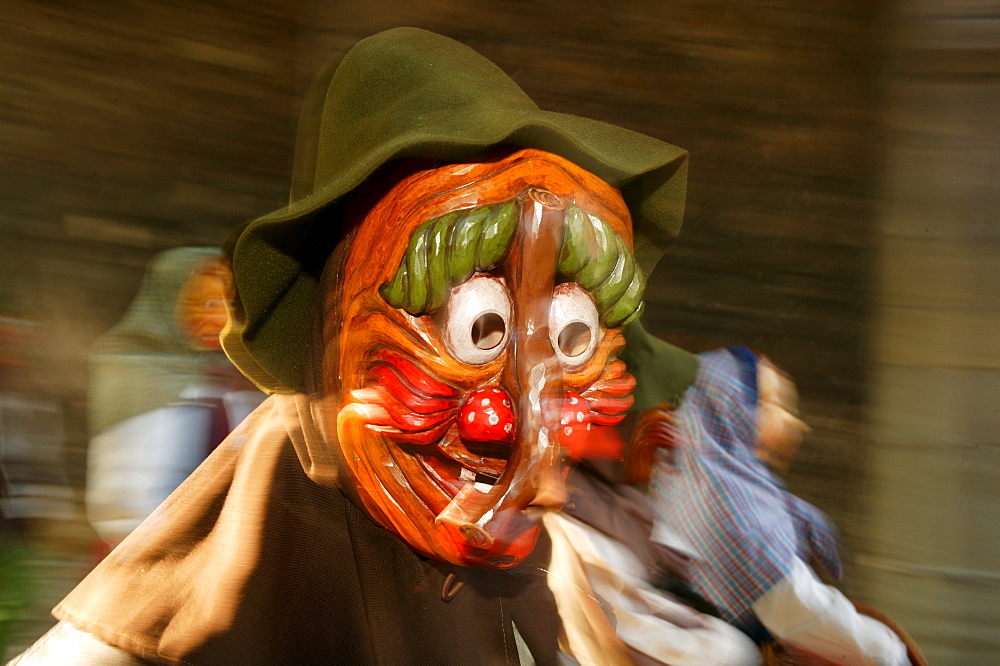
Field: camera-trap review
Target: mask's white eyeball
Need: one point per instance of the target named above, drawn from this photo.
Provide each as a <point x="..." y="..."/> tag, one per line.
<point x="574" y="325"/>
<point x="477" y="319"/>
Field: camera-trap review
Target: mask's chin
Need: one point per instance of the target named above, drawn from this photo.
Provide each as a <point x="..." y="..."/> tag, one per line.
<point x="513" y="535"/>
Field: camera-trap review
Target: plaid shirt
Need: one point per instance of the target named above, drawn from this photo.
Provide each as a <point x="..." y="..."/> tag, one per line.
<point x="721" y="502"/>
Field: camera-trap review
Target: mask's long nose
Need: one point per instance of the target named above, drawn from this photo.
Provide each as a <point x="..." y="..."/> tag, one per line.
<point x="533" y="481"/>
<point x="535" y="376"/>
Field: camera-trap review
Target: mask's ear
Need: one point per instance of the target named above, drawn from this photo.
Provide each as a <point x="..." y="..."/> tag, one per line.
<point x="653" y="432"/>
<point x="321" y="374"/>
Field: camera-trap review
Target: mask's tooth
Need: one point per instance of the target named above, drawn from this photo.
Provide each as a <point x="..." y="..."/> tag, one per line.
<point x="485" y="519"/>
<point x="486" y="481"/>
<point x="467" y="475"/>
<point x="465" y="511"/>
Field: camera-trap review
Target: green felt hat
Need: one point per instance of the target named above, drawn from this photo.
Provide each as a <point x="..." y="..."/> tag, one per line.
<point x="409" y="93"/>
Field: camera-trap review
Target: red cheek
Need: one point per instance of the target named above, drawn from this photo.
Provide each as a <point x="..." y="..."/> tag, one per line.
<point x="575" y="424"/>
<point x="583" y="436"/>
<point x="487" y="415"/>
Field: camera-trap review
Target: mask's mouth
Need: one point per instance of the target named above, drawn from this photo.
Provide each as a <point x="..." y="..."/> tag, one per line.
<point x="209" y="340"/>
<point x="453" y="464"/>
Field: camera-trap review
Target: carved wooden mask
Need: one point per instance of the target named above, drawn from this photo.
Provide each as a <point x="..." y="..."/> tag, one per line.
<point x="203" y="303"/>
<point x="481" y="317"/>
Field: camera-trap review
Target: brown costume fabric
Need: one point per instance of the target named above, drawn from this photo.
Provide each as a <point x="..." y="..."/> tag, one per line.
<point x="252" y="563"/>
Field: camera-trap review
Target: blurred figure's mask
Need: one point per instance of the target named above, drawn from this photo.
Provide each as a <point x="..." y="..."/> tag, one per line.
<point x="203" y="304"/>
<point x="477" y="331"/>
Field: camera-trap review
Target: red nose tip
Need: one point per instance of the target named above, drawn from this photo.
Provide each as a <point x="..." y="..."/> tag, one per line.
<point x="487" y="415"/>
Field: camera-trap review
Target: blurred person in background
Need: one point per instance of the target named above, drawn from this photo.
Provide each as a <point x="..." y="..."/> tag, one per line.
<point x="163" y="394"/>
<point x="14" y="577"/>
<point x="34" y="487"/>
<point x="713" y="559"/>
<point x="747" y="543"/>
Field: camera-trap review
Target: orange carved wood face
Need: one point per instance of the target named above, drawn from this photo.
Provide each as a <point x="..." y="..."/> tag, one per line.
<point x="470" y="366"/>
<point x="203" y="304"/>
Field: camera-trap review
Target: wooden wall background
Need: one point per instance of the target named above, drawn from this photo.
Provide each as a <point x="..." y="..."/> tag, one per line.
<point x="132" y="126"/>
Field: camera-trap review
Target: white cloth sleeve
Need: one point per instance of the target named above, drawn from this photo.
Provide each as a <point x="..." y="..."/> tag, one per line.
<point x="805" y="612"/>
<point x="65" y="645"/>
<point x="587" y="565"/>
<point x="133" y="466"/>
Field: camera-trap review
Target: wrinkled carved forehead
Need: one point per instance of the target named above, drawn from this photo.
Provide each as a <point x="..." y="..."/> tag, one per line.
<point x="383" y="236"/>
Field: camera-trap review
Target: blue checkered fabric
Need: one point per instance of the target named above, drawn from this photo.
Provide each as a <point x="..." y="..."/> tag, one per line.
<point x="719" y="500"/>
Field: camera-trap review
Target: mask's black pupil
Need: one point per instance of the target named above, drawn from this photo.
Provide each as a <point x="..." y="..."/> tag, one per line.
<point x="488" y="330"/>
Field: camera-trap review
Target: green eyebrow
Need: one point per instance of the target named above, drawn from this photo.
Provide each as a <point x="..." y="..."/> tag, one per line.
<point x="597" y="258"/>
<point x="447" y="250"/>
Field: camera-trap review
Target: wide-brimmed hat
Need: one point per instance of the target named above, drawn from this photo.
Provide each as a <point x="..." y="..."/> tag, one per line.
<point x="409" y="93"/>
